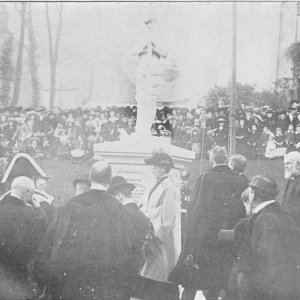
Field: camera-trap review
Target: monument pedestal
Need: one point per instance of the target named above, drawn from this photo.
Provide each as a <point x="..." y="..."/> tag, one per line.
<point x="134" y="149"/>
<point x="127" y="159"/>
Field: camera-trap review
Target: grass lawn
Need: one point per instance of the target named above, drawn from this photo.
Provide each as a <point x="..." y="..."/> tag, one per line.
<point x="64" y="172"/>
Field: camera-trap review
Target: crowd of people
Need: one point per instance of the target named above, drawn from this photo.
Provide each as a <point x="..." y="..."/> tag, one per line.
<point x="261" y="133"/>
<point x="239" y="242"/>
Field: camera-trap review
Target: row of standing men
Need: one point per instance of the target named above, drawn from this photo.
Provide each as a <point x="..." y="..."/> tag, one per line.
<point x="101" y="246"/>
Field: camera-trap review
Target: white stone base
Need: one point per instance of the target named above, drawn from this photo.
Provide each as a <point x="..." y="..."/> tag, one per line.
<point x="133" y="149"/>
<point x="127" y="159"/>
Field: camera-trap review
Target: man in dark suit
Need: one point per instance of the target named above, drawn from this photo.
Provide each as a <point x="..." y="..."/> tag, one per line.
<point x="94" y="248"/>
<point x="22" y="228"/>
<point x="238" y="164"/>
<point x="122" y="190"/>
<point x="268" y="247"/>
<point x="291" y="117"/>
<point x="291" y="196"/>
<point x="215" y="206"/>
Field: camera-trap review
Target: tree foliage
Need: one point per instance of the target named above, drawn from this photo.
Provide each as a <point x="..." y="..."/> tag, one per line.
<point x="247" y="95"/>
<point x="6" y="71"/>
<point x="293" y="52"/>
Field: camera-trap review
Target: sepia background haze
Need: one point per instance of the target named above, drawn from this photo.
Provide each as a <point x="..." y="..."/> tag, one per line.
<point x="197" y="35"/>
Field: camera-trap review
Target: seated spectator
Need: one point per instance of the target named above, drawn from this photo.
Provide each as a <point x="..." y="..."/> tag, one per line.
<point x="186" y="138"/>
<point x="33" y="148"/>
<point x="45" y="147"/>
<point x="130" y="127"/>
<point x="189" y="119"/>
<point x="241" y="137"/>
<point x="123" y="122"/>
<point x="253" y="142"/>
<point x="269" y="121"/>
<point x="264" y="138"/>
<point x="249" y="120"/>
<point x="178" y="130"/>
<point x="63" y="145"/>
<point x="279" y="138"/>
<point x="272" y="151"/>
<point x="220" y="133"/>
<point x="210" y="121"/>
<point x="281" y="121"/>
<point x="195" y="141"/>
<point x="112" y="117"/>
<point x="289" y="136"/>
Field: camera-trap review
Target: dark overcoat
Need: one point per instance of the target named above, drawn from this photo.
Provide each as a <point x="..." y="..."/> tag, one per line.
<point x="268" y="255"/>
<point x="22" y="228"/>
<point x="215" y="204"/>
<point x="91" y="249"/>
<point x="291" y="198"/>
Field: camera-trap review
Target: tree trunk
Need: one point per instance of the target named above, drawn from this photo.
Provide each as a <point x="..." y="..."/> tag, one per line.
<point x="36" y="92"/>
<point x="18" y="78"/>
<point x="53" y="53"/>
<point x="6" y="72"/>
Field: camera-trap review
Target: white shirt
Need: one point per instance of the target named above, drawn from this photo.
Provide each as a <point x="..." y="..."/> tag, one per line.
<point x="261" y="206"/>
<point x="98" y="186"/>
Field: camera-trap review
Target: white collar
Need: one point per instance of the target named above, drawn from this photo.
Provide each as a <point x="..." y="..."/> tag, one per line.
<point x="261" y="206"/>
<point x="98" y="186"/>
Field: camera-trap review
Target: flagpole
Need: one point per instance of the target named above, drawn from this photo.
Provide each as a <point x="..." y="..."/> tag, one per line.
<point x="279" y="46"/>
<point x="297" y="15"/>
<point x="233" y="82"/>
<point x="295" y="84"/>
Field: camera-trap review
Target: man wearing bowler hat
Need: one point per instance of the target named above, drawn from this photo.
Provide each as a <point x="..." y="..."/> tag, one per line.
<point x="122" y="190"/>
<point x="163" y="211"/>
<point x="268" y="247"/>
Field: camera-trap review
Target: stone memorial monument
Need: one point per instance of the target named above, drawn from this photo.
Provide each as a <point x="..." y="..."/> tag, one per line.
<point x="127" y="155"/>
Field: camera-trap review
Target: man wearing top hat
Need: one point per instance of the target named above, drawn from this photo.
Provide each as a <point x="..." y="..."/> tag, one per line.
<point x="163" y="210"/>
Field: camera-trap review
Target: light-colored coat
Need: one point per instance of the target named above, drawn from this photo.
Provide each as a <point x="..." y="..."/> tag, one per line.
<point x="163" y="210"/>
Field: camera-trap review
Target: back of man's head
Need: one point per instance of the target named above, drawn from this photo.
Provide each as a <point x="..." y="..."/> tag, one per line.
<point x="23" y="188"/>
<point x="218" y="155"/>
<point x="237" y="163"/>
<point x="100" y="173"/>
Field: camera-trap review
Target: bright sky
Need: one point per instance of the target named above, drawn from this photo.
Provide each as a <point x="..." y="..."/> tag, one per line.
<point x="198" y="35"/>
